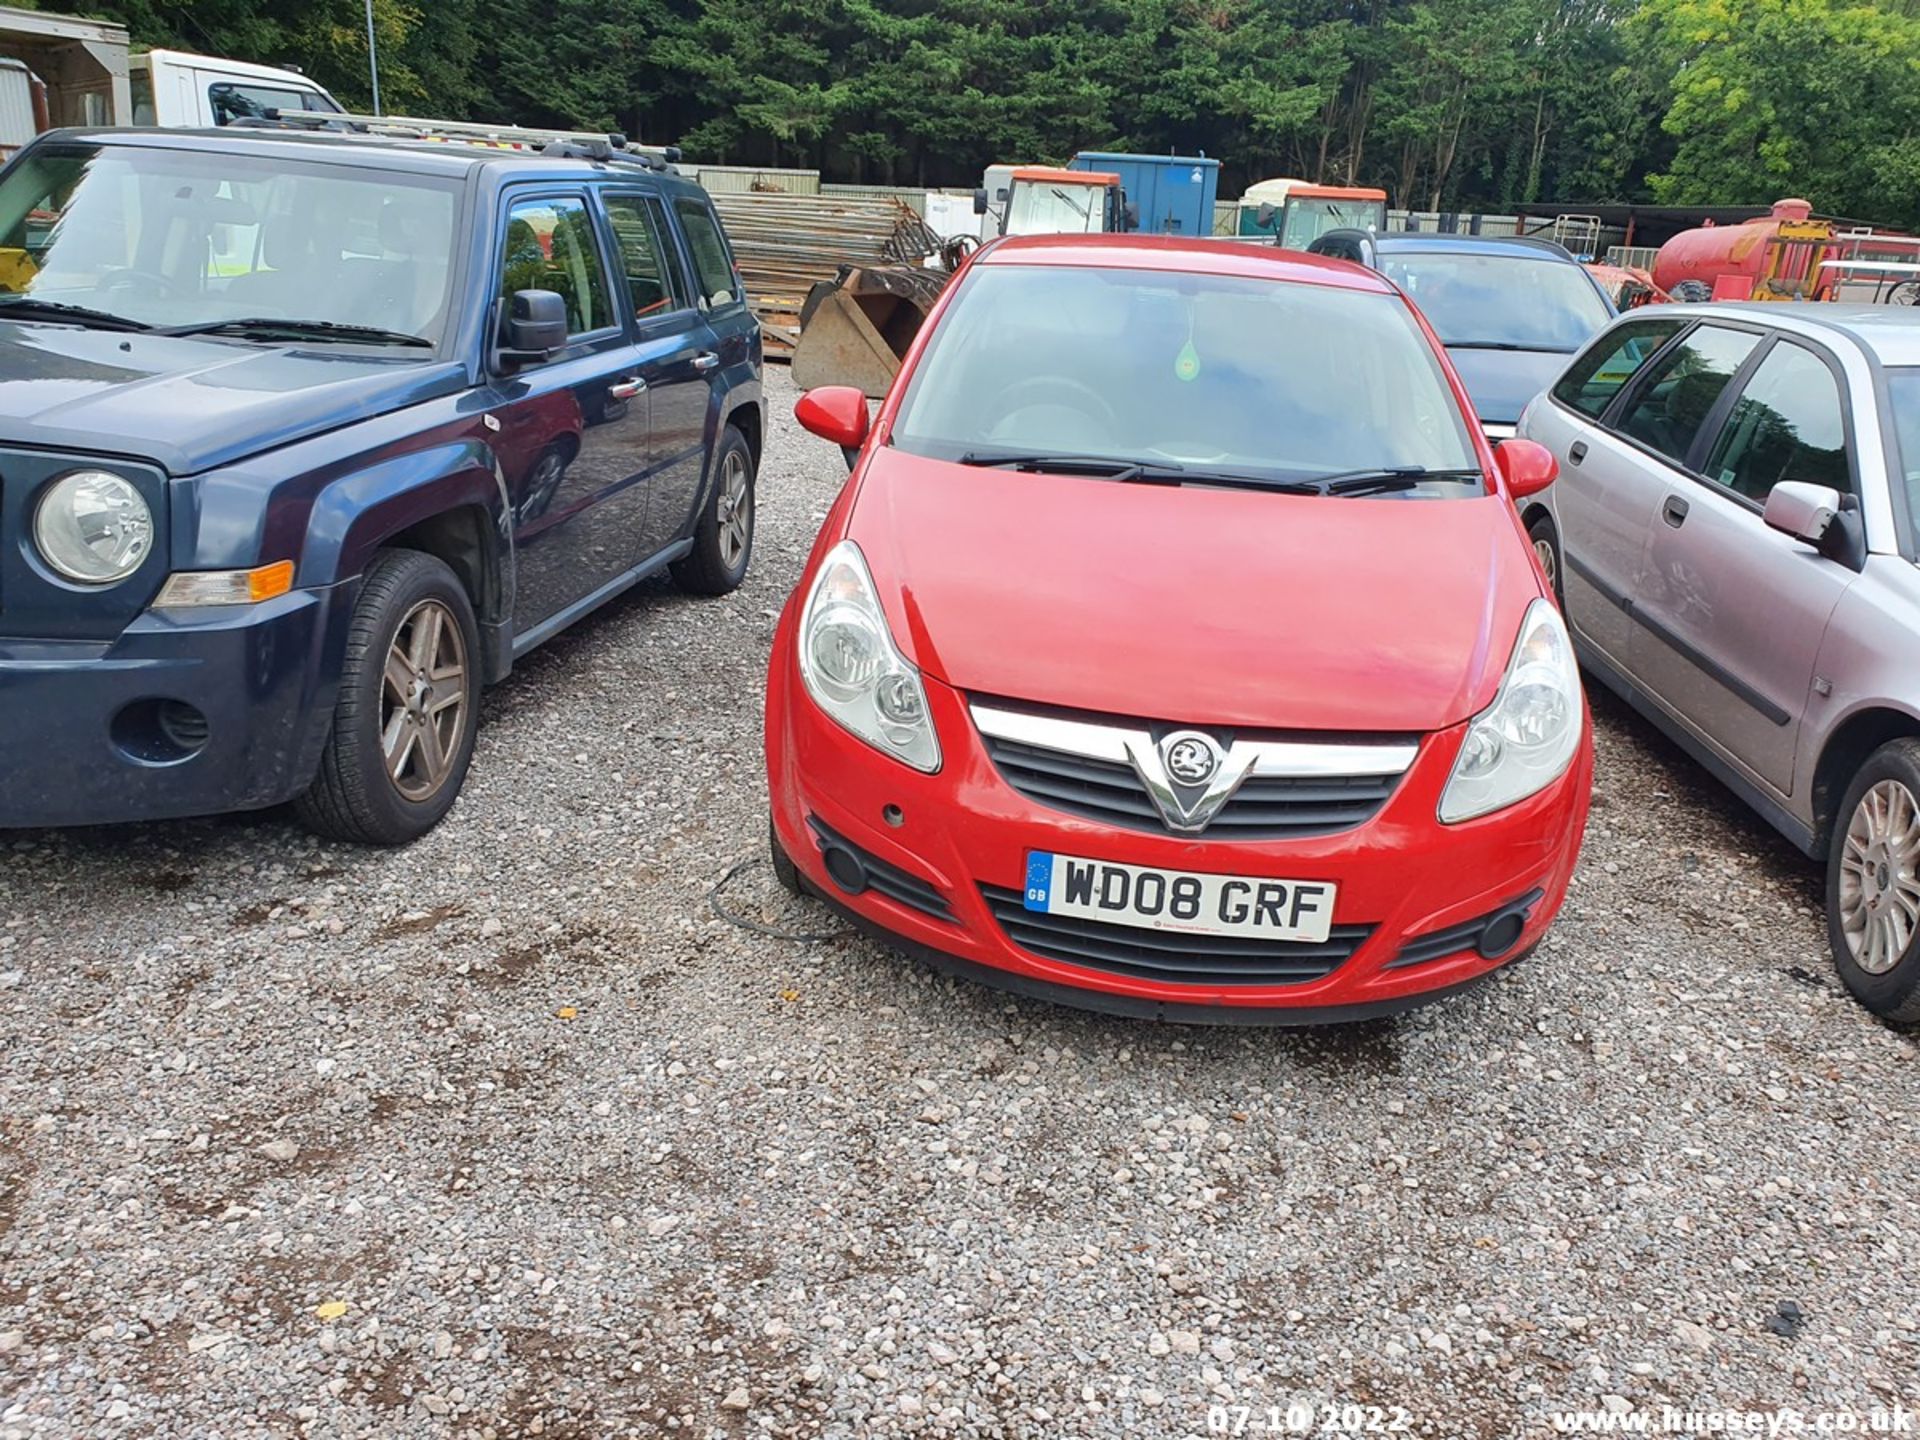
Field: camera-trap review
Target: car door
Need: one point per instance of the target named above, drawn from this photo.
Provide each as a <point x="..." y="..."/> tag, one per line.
<point x="1732" y="612"/>
<point x="572" y="441"/>
<point x="727" y="326"/>
<point x="1608" y="489"/>
<point x="675" y="357"/>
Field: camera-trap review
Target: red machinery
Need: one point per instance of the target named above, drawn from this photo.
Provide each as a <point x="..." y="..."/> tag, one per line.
<point x="1773" y="257"/>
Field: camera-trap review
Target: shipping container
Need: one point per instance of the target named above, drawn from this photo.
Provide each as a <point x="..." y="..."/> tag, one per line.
<point x="1173" y="194"/>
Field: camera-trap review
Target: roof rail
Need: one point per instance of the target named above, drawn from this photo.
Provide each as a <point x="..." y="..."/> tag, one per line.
<point x="570" y="144"/>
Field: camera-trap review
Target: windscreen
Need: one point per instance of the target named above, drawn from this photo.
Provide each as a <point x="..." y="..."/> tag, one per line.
<point x="164" y="236"/>
<point x="1042" y="207"/>
<point x="1309" y="217"/>
<point x="1501" y="301"/>
<point x="1282" y="380"/>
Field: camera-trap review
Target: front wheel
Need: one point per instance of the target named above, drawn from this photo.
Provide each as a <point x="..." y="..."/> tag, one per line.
<point x="1873" y="884"/>
<point x="409" y="704"/>
<point x="1546" y="545"/>
<point x="723" y="537"/>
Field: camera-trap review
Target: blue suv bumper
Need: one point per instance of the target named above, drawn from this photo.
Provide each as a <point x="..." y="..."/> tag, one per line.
<point x="186" y="713"/>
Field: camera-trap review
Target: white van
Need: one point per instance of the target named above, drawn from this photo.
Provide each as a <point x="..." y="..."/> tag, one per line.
<point x="174" y="89"/>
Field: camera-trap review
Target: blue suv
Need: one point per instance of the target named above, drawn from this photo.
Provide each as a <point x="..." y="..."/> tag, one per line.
<point x="304" y="437"/>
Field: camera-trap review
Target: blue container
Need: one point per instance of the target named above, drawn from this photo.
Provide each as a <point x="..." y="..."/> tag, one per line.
<point x="1174" y="193"/>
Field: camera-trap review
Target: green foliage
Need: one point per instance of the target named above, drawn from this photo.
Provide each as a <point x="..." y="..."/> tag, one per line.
<point x="1814" y="97"/>
<point x="1449" y="104"/>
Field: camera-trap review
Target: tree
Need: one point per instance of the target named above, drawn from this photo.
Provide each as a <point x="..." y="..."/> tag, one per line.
<point x="1774" y="97"/>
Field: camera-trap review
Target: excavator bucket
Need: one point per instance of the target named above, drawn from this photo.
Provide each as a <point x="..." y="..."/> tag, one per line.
<point x="856" y="328"/>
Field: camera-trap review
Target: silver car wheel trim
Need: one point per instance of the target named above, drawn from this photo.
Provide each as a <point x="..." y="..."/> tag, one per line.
<point x="734" y="510"/>
<point x="1549" y="561"/>
<point x="1879" y="887"/>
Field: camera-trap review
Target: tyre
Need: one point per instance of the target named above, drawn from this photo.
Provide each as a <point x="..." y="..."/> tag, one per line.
<point x="1691" y="292"/>
<point x="723" y="537"/>
<point x="1873" y="883"/>
<point x="1546" y="545"/>
<point x="409" y="704"/>
<point x="784" y="870"/>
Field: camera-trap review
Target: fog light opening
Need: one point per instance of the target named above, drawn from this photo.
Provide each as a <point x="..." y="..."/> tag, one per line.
<point x="160" y="732"/>
<point x="844" y="868"/>
<point x="1502" y="933"/>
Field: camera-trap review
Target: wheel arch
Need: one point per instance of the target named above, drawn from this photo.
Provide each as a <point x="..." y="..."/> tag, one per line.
<point x="1844" y="752"/>
<point x="448" y="502"/>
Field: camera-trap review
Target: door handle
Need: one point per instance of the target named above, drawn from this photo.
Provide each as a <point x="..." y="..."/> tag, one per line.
<point x="705" y="361"/>
<point x="1577" y="452"/>
<point x="626" y="389"/>
<point x="1674" y="512"/>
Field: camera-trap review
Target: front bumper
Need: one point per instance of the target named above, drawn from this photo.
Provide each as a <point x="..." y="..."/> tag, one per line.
<point x="91" y="733"/>
<point x="1413" y="893"/>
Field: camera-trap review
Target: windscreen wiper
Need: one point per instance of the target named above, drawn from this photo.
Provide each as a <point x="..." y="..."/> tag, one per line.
<point x="1103" y="465"/>
<point x="1505" y="345"/>
<point x="1139" y="472"/>
<point x="266" y="325"/>
<point x="1388" y="478"/>
<point x="29" y="306"/>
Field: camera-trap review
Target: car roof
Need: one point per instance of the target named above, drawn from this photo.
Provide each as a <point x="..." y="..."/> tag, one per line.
<point x="1888" y="334"/>
<point x="424" y="157"/>
<point x="1522" y="246"/>
<point x="1175" y="252"/>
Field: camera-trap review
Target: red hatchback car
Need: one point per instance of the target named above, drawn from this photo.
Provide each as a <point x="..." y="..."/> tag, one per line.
<point x="1175" y="649"/>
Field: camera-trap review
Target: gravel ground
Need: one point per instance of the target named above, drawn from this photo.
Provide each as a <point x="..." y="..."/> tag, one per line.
<point x="507" y="1134"/>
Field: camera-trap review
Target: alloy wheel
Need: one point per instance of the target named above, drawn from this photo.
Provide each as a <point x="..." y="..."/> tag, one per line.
<point x="1549" y="562"/>
<point x="423" y="702"/>
<point x="1879" y="887"/>
<point x="735" y="510"/>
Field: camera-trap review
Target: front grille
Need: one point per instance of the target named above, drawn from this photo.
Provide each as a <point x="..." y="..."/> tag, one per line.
<point x="1265" y="807"/>
<point x="1439" y="944"/>
<point x="1166" y="956"/>
<point x="900" y="886"/>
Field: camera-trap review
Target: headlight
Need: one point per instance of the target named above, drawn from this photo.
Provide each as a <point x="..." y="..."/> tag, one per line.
<point x="93" y="527"/>
<point x="855" y="672"/>
<point x="1525" y="740"/>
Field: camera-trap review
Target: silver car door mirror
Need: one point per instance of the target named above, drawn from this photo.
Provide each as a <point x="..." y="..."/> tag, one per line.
<point x="1801" y="510"/>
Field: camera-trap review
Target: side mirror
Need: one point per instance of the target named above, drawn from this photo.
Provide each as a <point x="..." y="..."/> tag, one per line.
<point x="1263" y="217"/>
<point x="1803" y="511"/>
<point x="980" y="202"/>
<point x="1527" y="466"/>
<point x="536" y="326"/>
<point x="835" y="412"/>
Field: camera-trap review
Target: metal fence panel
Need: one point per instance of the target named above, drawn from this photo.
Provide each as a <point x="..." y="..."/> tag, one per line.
<point x="753" y="180"/>
<point x="914" y="199"/>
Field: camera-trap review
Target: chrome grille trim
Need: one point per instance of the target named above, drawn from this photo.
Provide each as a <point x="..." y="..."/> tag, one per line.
<point x="1262" y="788"/>
<point x="1295" y="759"/>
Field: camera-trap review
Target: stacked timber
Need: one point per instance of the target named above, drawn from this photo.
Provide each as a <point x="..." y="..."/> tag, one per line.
<point x="787" y="243"/>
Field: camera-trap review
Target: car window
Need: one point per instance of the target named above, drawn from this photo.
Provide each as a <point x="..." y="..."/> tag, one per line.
<point x="636" y="237"/>
<point x="1788" y="424"/>
<point x="178" y="237"/>
<point x="1501" y="301"/>
<point x="712" y="263"/>
<point x="232" y="102"/>
<point x="550" y="245"/>
<point x="1595" y="378"/>
<point x="1232" y="373"/>
<point x="1681" y="391"/>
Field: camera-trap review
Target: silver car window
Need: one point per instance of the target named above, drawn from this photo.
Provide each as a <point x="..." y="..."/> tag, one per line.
<point x="1788" y="424"/>
<point x="1610" y="362"/>
<point x="1680" y="393"/>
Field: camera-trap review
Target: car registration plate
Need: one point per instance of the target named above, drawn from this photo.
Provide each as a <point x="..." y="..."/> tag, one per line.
<point x="1251" y="906"/>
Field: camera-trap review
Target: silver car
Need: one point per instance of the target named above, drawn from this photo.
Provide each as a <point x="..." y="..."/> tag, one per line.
<point x="1734" y="538"/>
